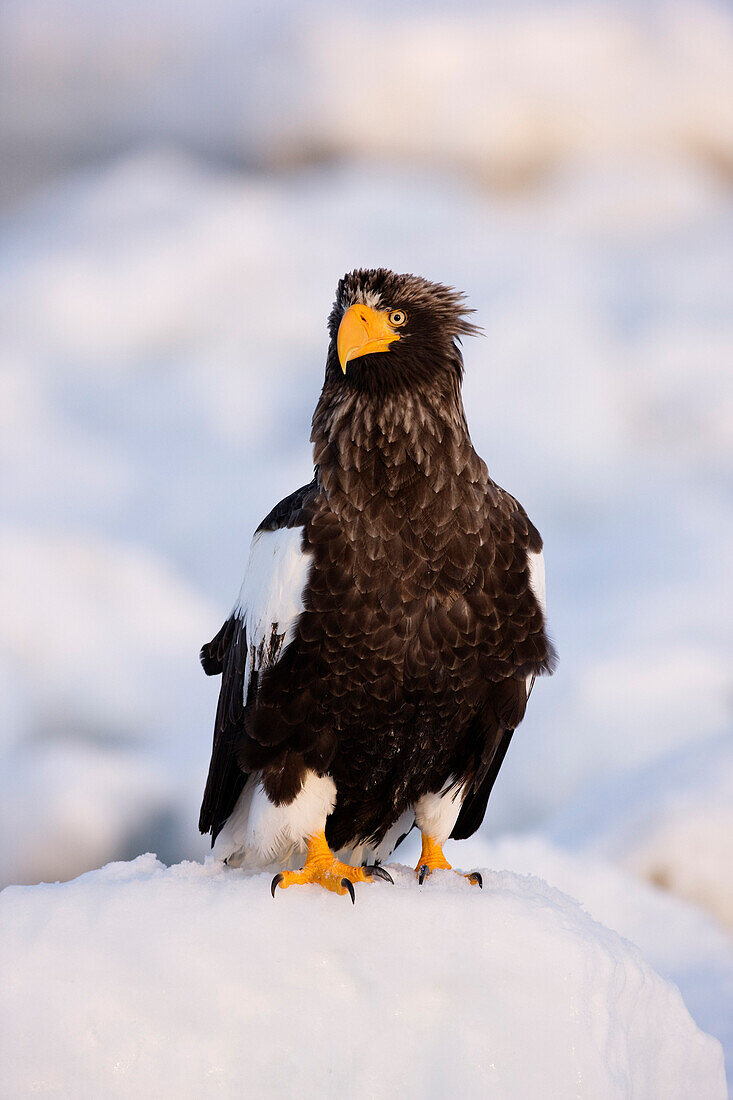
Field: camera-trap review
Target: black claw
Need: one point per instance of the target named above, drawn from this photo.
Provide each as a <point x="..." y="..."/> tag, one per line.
<point x="350" y="887"/>
<point x="275" y="882"/>
<point x="379" y="872"/>
<point x="476" y="878"/>
<point x="423" y="873"/>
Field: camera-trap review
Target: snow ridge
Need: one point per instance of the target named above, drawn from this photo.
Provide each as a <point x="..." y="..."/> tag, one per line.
<point x="154" y="981"/>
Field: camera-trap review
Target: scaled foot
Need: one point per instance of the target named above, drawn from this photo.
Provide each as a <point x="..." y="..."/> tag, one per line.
<point x="323" y="869"/>
<point x="432" y="859"/>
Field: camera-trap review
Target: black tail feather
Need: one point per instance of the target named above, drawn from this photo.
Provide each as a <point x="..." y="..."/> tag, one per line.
<point x="474" y="808"/>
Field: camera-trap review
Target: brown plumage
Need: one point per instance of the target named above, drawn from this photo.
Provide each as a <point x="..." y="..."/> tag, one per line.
<point x="408" y="667"/>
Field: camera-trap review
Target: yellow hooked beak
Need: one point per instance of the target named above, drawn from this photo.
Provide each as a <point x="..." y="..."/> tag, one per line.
<point x="362" y="331"/>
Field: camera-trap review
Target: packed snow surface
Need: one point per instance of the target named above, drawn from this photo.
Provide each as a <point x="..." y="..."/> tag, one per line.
<point x="678" y="939"/>
<point x="191" y="981"/>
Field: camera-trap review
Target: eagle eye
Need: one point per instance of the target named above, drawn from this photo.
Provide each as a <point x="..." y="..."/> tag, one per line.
<point x="397" y="318"/>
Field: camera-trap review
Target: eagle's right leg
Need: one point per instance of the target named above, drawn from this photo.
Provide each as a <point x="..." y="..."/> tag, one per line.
<point x="324" y="869"/>
<point x="274" y="830"/>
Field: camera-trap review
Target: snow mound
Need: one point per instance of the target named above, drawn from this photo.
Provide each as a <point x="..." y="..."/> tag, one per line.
<point x="189" y="980"/>
<point x="680" y="941"/>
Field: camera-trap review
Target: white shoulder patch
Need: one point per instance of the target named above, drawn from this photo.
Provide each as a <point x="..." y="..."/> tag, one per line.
<point x="271" y="598"/>
<point x="537" y="578"/>
<point x="537" y="584"/>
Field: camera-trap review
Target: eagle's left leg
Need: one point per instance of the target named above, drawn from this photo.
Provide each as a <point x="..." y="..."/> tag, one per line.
<point x="435" y="816"/>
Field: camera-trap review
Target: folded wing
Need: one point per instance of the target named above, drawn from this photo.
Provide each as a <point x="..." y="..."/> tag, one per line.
<point x="262" y="623"/>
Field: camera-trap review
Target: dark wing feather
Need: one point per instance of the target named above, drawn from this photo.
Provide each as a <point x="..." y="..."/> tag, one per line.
<point x="288" y="513"/>
<point x="213" y="653"/>
<point x="226" y="653"/>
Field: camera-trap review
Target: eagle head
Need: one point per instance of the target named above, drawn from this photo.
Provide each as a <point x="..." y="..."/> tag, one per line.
<point x="394" y="332"/>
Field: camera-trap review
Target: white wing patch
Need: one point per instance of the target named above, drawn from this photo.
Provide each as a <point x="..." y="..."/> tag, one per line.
<point x="537" y="584"/>
<point x="270" y="603"/>
<point x="537" y="578"/>
<point x="271" y="598"/>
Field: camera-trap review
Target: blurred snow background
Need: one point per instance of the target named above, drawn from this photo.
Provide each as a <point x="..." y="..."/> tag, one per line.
<point x="182" y="185"/>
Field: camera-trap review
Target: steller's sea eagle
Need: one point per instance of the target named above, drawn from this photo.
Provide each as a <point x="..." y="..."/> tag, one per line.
<point x="391" y="622"/>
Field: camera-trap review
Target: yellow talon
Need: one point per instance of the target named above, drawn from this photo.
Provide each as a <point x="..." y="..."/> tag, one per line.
<point x="432" y="859"/>
<point x="323" y="869"/>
